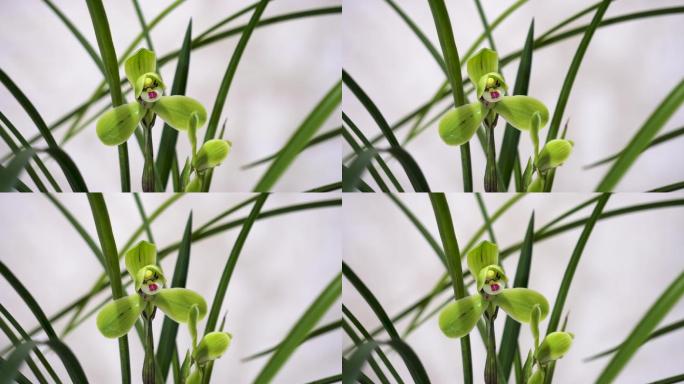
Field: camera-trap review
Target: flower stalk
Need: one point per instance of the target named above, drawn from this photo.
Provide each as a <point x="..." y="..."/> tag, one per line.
<point x="148" y="177"/>
<point x="149" y="368"/>
<point x="491" y="368"/>
<point x="490" y="180"/>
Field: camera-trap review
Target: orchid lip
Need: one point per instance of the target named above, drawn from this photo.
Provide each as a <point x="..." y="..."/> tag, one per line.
<point x="150" y="95"/>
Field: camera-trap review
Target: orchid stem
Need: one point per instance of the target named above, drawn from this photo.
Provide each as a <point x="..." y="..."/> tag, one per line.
<point x="148" y="181"/>
<point x="149" y="369"/>
<point x="491" y="369"/>
<point x="491" y="179"/>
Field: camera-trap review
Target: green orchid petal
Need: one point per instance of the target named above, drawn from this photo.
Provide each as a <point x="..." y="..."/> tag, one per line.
<point x="118" y="317"/>
<point x="192" y="325"/>
<point x="537" y="185"/>
<point x="176" y="303"/>
<point x="176" y="111"/>
<point x="554" y="346"/>
<point x="518" y="111"/>
<point x="484" y="273"/>
<point x="143" y="61"/>
<point x="116" y="125"/>
<point x="483" y="62"/>
<point x="459" y="318"/>
<point x="484" y="254"/>
<point x="482" y="83"/>
<point x="153" y="270"/>
<point x="537" y="377"/>
<point x="519" y="302"/>
<point x="535" y="126"/>
<point x="212" y="346"/>
<point x="554" y="154"/>
<point x="140" y="83"/>
<point x="195" y="377"/>
<point x="460" y="124"/>
<point x="141" y="255"/>
<point x="534" y="324"/>
<point x="211" y="154"/>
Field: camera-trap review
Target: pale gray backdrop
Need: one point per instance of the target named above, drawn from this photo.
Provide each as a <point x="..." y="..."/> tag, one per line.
<point x="626" y="265"/>
<point x="285" y="70"/>
<point x="627" y="71"/>
<point x="285" y="263"/>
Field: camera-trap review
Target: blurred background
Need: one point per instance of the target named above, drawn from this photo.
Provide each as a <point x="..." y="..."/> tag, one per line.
<point x="626" y="265"/>
<point x="285" y="70"/>
<point x="276" y="278"/>
<point x="626" y="73"/>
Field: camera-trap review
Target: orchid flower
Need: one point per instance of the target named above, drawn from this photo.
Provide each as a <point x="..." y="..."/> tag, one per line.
<point x="212" y="346"/>
<point x="553" y="155"/>
<point x="554" y="346"/>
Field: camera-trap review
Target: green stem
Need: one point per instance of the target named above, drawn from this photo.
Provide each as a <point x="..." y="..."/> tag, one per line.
<point x="490" y="181"/>
<point x="149" y="369"/>
<point x="490" y="375"/>
<point x="148" y="168"/>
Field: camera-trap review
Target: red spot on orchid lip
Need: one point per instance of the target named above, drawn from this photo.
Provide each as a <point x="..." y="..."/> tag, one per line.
<point x="494" y="94"/>
<point x="494" y="287"/>
<point x="152" y="287"/>
<point x="152" y="95"/>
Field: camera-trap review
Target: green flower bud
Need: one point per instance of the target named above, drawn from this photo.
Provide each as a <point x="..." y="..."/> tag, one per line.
<point x="211" y="154"/>
<point x="554" y="346"/>
<point x="554" y="154"/>
<point x="195" y="377"/>
<point x="195" y="185"/>
<point x="537" y="185"/>
<point x="212" y="346"/>
<point x="537" y="377"/>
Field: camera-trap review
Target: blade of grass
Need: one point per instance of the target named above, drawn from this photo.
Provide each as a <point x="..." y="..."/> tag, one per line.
<point x="640" y="333"/>
<point x="302" y="135"/>
<point x="222" y="288"/>
<point x="485" y="25"/>
<point x="302" y="327"/>
<point x="351" y="175"/>
<point x="657" y="333"/>
<point x="328" y="380"/>
<point x="368" y="337"/>
<point x="419" y="34"/>
<point x="670" y="187"/>
<point x="231" y="69"/>
<point x="77" y="34"/>
<point x="453" y="258"/>
<point x="108" y="246"/>
<point x="485" y="217"/>
<point x="327" y="188"/>
<point x="352" y="370"/>
<point x="167" y="144"/>
<point x="368" y="165"/>
<point x="670" y="380"/>
<point x="26" y="145"/>
<point x="509" y="338"/>
<point x="509" y="146"/>
<point x="150" y="219"/>
<point x="16" y="150"/>
<point x="368" y="145"/>
<point x="643" y="137"/>
<point x="73" y="368"/>
<point x="9" y="177"/>
<point x="167" y="337"/>
<point x="9" y="370"/>
<point x="453" y="65"/>
<point x="70" y="169"/>
<point x="356" y="339"/>
<point x="318" y="139"/>
<point x="569" y="274"/>
<point x="320" y="331"/>
<point x="143" y="25"/>
<point x="658" y="140"/>
<point x="78" y="227"/>
<point x="143" y="217"/>
<point x="111" y="67"/>
<point x="17" y="344"/>
<point x="436" y="247"/>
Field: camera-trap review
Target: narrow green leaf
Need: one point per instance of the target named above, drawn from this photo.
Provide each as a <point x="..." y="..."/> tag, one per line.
<point x="328" y="380"/>
<point x="108" y="246"/>
<point x="303" y="134"/>
<point x="169" y="137"/>
<point x="10" y="369"/>
<point x="320" y="331"/>
<point x="16" y="343"/>
<point x="670" y="187"/>
<point x="78" y="227"/>
<point x="299" y="331"/>
<point x="657" y="333"/>
<point x="70" y="169"/>
<point x="420" y="227"/>
<point x="352" y="371"/>
<point x="509" y="145"/>
<point x="453" y="65"/>
<point x="453" y="257"/>
<point x="143" y="24"/>
<point x="369" y="165"/>
<point x="569" y="274"/>
<point x="658" y="140"/>
<point x="670" y="380"/>
<point x="222" y="288"/>
<point x="509" y="338"/>
<point x="485" y="25"/>
<point x="167" y="337"/>
<point x="327" y="187"/>
<point x="643" y="137"/>
<point x="9" y="176"/>
<point x="640" y="333"/>
<point x="323" y="137"/>
<point x="111" y="69"/>
<point x="351" y="176"/>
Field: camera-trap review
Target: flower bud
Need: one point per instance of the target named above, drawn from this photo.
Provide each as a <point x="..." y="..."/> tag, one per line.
<point x="211" y="154"/>
<point x="554" y="346"/>
<point x="212" y="346"/>
<point x="537" y="377"/>
<point x="554" y="154"/>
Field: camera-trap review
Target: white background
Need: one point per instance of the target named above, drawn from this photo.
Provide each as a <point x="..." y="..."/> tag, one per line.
<point x="626" y="73"/>
<point x="627" y="264"/>
<point x="284" y="72"/>
<point x="285" y="263"/>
